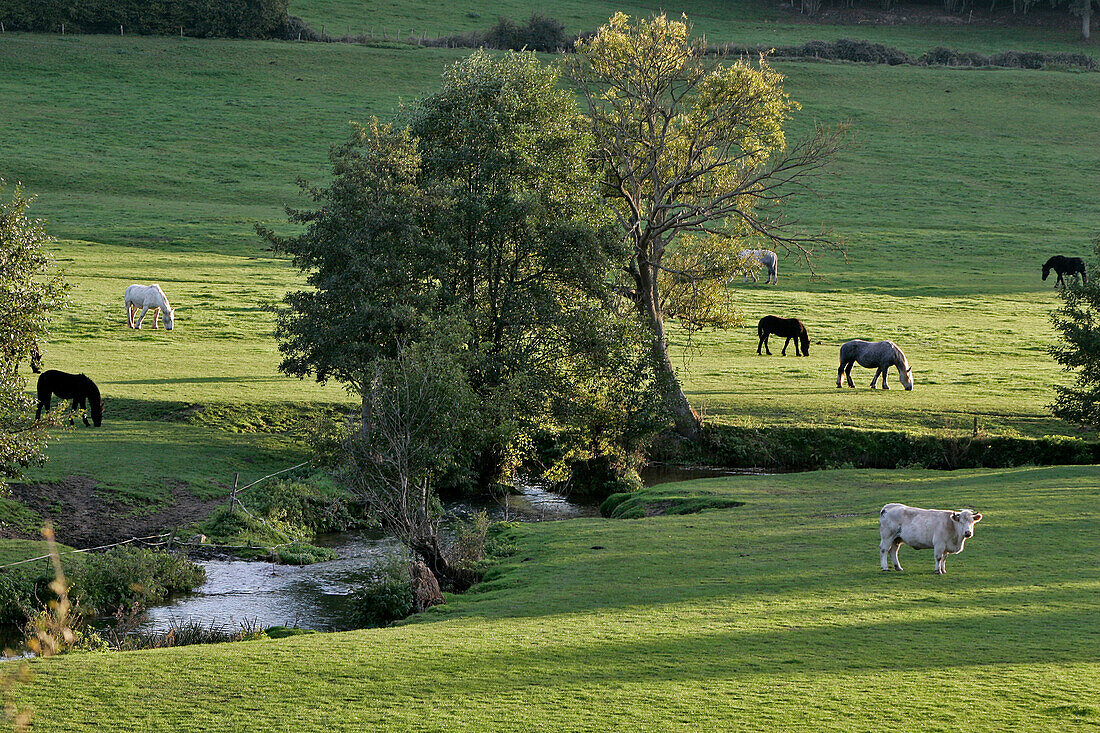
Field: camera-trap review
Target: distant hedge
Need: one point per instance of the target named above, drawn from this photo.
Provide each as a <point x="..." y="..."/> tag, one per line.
<point x="197" y="18"/>
<point x="809" y="449"/>
<point x="847" y="49"/>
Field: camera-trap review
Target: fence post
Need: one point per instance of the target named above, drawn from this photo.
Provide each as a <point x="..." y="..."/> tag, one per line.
<point x="120" y="31"/>
<point x="62" y="29"/>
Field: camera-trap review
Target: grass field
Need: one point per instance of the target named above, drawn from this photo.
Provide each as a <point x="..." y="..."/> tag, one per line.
<point x="772" y="615"/>
<point x="153" y="159"/>
<point x="721" y="22"/>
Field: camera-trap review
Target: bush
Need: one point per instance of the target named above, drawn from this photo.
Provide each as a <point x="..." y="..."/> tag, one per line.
<point x="538" y="34"/>
<point x="807" y="449"/>
<point x="250" y="538"/>
<point x="123" y="576"/>
<point x="200" y="18"/>
<point x="306" y="505"/>
<point x="387" y="598"/>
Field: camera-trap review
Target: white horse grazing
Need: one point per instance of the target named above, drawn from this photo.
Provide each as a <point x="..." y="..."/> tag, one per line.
<point x="144" y="297"/>
<point x="768" y="259"/>
<point x="874" y="354"/>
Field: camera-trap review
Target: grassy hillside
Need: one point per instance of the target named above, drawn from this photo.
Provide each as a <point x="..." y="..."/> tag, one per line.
<point x="744" y="21"/>
<point x="153" y="158"/>
<point x="771" y="615"/>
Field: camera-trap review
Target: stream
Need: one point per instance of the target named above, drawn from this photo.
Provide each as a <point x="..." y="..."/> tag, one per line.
<point x="262" y="594"/>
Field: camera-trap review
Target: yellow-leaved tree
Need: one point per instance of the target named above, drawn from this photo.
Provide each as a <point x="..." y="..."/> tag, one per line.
<point x="695" y="163"/>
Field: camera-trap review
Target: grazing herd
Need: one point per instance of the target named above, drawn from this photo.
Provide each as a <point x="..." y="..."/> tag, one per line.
<point x="944" y="531"/>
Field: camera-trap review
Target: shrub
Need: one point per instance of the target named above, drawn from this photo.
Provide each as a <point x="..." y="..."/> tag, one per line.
<point x="306" y="505"/>
<point x="388" y="597"/>
<point x="540" y="33"/>
<point x="303" y="553"/>
<point x="120" y="577"/>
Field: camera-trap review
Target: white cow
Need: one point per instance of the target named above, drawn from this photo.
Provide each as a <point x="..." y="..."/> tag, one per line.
<point x="144" y="297"/>
<point x="943" y="530"/>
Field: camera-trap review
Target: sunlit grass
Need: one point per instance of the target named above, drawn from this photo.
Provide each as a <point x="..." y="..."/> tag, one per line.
<point x="770" y="615"/>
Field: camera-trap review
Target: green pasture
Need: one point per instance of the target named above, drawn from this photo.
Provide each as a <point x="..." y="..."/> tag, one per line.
<point x="153" y="159"/>
<point x="744" y="21"/>
<point x="772" y="615"/>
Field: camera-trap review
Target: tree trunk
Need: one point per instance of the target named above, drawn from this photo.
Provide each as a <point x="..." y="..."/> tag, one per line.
<point x="1086" y="20"/>
<point x="686" y="420"/>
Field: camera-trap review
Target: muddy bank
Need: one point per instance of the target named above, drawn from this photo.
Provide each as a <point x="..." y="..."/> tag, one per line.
<point x="83" y="516"/>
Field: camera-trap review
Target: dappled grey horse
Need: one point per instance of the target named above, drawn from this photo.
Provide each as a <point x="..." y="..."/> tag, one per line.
<point x="879" y="355"/>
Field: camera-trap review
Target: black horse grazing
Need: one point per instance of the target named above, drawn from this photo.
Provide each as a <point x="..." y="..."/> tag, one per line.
<point x="1065" y="266"/>
<point x="75" y="387"/>
<point x="792" y="328"/>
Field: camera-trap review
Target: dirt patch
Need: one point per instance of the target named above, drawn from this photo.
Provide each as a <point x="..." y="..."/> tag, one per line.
<point x="84" y="517"/>
<point x="657" y="508"/>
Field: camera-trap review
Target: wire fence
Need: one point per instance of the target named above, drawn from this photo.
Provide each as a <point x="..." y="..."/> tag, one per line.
<point x="167" y="539"/>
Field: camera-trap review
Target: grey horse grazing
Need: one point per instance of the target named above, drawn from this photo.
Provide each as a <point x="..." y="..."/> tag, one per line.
<point x="768" y="260"/>
<point x="879" y="355"/>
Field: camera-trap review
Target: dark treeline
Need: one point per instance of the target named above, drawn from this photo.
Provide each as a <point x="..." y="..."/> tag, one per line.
<point x="846" y="49"/>
<point x="197" y="18"/>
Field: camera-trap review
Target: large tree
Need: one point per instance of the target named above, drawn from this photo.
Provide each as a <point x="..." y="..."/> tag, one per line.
<point x="529" y="245"/>
<point x="695" y="162"/>
<point x="476" y="216"/>
<point x="31" y="289"/>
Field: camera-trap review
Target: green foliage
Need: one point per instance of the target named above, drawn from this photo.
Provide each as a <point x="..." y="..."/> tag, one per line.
<point x="82" y="638"/>
<point x="1077" y="322"/>
<point x="807" y="449"/>
<point x="202" y="18"/>
<point x="372" y="273"/>
<point x="253" y="536"/>
<point x="388" y="597"/>
<point x="539" y="33"/>
<point x="302" y="553"/>
<point x="313" y="505"/>
<point x="120" y="577"/>
<point x="688" y="147"/>
<point x="30" y="290"/>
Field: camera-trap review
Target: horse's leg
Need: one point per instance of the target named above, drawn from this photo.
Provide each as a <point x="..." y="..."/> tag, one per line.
<point x="72" y="412"/>
<point x="41" y="403"/>
<point x="82" y="404"/>
<point x="873" y="381"/>
<point x="141" y="318"/>
<point x="786" y="344"/>
<point x="885" y="373"/>
<point x="156" y="320"/>
<point x="763" y="342"/>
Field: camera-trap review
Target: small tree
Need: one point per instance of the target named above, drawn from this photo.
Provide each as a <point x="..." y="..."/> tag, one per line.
<point x="30" y="290"/>
<point x="694" y="157"/>
<point x="1077" y="322"/>
<point x="421" y="407"/>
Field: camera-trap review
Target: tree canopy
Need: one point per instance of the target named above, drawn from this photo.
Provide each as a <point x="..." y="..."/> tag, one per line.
<point x="474" y="215"/>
